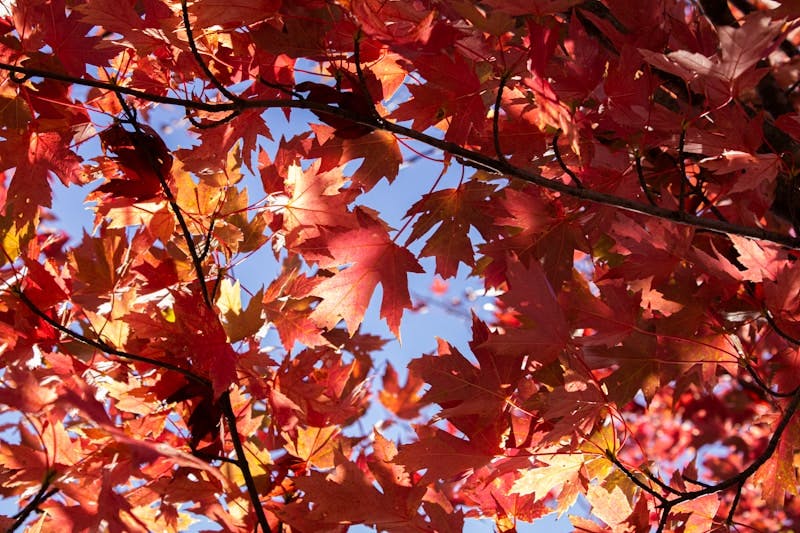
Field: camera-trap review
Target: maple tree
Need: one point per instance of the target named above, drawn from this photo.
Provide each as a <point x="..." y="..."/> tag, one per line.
<point x="628" y="191"/>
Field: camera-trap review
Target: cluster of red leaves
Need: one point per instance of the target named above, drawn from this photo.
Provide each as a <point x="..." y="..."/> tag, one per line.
<point x="646" y="359"/>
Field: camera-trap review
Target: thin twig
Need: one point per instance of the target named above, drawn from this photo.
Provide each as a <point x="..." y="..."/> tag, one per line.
<point x="154" y="164"/>
<point x="282" y="88"/>
<point x="734" y="504"/>
<point x="777" y="329"/>
<point x="106" y="348"/>
<point x="697" y="482"/>
<point x="762" y="385"/>
<point x="682" y="167"/>
<point x="209" y="124"/>
<point x="637" y="161"/>
<point x="17" y="77"/>
<point x="667" y="504"/>
<point x="696" y="189"/>
<point x="211" y="457"/>
<point x="215" y="288"/>
<point x="207" y="243"/>
<point x="561" y="163"/>
<point x="636" y="481"/>
<point x="662" y="522"/>
<point x="252" y="490"/>
<point x="655" y="479"/>
<point x="792" y="87"/>
<point x="241" y="458"/>
<point x="362" y="79"/>
<point x="755" y="465"/>
<point x="498" y="150"/>
<point x="42" y="495"/>
<point x="199" y="59"/>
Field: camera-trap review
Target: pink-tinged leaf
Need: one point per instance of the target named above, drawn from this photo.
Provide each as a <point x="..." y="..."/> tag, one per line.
<point x="440" y="454"/>
<point x="725" y="75"/>
<point x="537" y="8"/>
<point x="394" y="22"/>
<point x="378" y="150"/>
<point x="314" y="200"/>
<point x="36" y="156"/>
<point x="612" y="507"/>
<point x="43" y="286"/>
<point x="111" y="15"/>
<point x="751" y="170"/>
<point x="68" y="37"/>
<point x="404" y="401"/>
<point x="761" y="260"/>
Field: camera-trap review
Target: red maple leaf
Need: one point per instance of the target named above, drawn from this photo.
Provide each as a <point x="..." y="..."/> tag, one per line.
<point x="360" y="259"/>
<point x="35" y="156"/>
<point x="402" y="401"/>
<point x="455" y="212"/>
<point x="543" y="332"/>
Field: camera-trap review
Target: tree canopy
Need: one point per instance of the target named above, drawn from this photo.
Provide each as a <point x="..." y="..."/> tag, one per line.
<point x="628" y="193"/>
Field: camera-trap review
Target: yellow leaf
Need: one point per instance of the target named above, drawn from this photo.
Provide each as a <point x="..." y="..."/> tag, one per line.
<point x="315" y="446"/>
<point x="14" y="111"/>
<point x="15" y="237"/>
<point x="230" y="297"/>
<point x="168" y="314"/>
<point x="242" y="323"/>
<point x="561" y="469"/>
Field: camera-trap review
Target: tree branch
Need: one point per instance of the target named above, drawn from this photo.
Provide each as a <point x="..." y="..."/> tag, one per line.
<point x="739" y="479"/>
<point x="230" y="417"/>
<point x="498" y="150"/>
<point x="42" y="495"/>
<point x="106" y="348"/>
<point x="468" y="157"/>
<point x="252" y="490"/>
<point x="745" y="474"/>
<point x="732" y="512"/>
<point x="198" y="58"/>
<point x="637" y="161"/>
<point x="561" y="163"/>
<point x="176" y="209"/>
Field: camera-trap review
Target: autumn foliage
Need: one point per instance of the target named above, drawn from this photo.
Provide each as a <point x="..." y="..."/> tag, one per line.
<point x="627" y="189"/>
